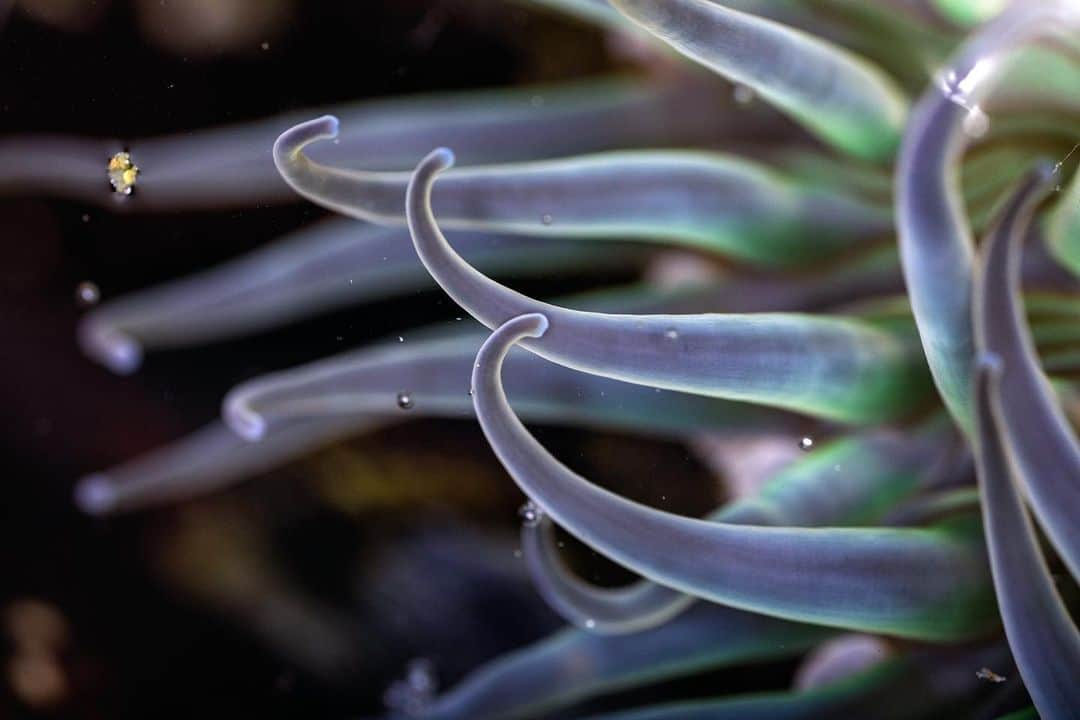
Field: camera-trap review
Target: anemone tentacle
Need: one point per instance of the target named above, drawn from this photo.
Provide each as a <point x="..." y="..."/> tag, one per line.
<point x="1036" y="431"/>
<point x="318" y="268"/>
<point x="1042" y="636"/>
<point x="233" y="166"/>
<point x="850" y="482"/>
<point x="921" y="583"/>
<point x="573" y="665"/>
<point x="831" y="367"/>
<point x="935" y="238"/>
<point x="704" y="200"/>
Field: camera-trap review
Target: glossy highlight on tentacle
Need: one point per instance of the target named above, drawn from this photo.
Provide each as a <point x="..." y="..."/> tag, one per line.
<point x="574" y="665"/>
<point x="843" y="99"/>
<point x="840" y="658"/>
<point x="1036" y="431"/>
<point x="329" y="265"/>
<point x="850" y="482"/>
<point x="929" y="584"/>
<point x="824" y="366"/>
<point x="715" y="202"/>
<point x="1042" y="636"/>
<point x="935" y="237"/>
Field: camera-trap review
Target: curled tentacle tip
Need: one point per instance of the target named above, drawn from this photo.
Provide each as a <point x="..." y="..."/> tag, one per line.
<point x="95" y="494"/>
<point x="118" y="351"/>
<point x="242" y="420"/>
<point x="296" y="137"/>
<point x="437" y="160"/>
<point x="533" y="324"/>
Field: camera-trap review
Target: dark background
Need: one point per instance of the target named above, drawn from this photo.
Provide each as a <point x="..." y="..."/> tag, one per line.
<point x="148" y="614"/>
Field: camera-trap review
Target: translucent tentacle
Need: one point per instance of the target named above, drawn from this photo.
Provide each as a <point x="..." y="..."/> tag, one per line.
<point x="830" y="367"/>
<point x="574" y="665"/>
<point x="852" y="481"/>
<point x="921" y="583"/>
<point x="908" y="687"/>
<point x="716" y="202"/>
<point x="935" y="238"/>
<point x="605" y="611"/>
<point x="332" y="264"/>
<point x="233" y="166"/>
<point x="296" y="411"/>
<point x="210" y="459"/>
<point x="1042" y="636"/>
<point x="1036" y="431"/>
<point x="841" y="98"/>
<point x="433" y="372"/>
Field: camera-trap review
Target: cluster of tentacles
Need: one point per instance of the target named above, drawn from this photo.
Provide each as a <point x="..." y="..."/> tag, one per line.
<point x="886" y="137"/>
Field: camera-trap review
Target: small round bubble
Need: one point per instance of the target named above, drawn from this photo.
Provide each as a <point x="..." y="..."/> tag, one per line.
<point x="806" y="443"/>
<point x="87" y="294"/>
<point x="405" y="400"/>
<point x="530" y="514"/>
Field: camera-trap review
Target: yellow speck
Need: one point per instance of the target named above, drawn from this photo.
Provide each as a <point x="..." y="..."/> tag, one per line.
<point x="122" y="173"/>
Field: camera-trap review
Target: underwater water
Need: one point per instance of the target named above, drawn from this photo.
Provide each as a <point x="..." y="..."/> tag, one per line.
<point x="783" y="296"/>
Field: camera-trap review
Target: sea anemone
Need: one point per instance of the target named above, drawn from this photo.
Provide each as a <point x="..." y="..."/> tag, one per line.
<point x="864" y="148"/>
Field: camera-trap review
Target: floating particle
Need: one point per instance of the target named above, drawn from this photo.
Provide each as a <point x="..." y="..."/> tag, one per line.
<point x="590" y="623"/>
<point x="806" y="443"/>
<point x="400" y="339"/>
<point x="405" y="400"/>
<point x="989" y="675"/>
<point x="87" y="294"/>
<point x="122" y="173"/>
<point x="265" y="46"/>
<point x="530" y="514"/>
<point x="671" y="334"/>
<point x="86" y="217"/>
<point x="546" y="219"/>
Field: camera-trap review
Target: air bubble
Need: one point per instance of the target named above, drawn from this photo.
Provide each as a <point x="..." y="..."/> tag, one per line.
<point x="87" y="294"/>
<point x="590" y="623"/>
<point x="806" y="443"/>
<point x="743" y="95"/>
<point x="671" y="334"/>
<point x="405" y="400"/>
<point x="546" y="219"/>
<point x="530" y="514"/>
